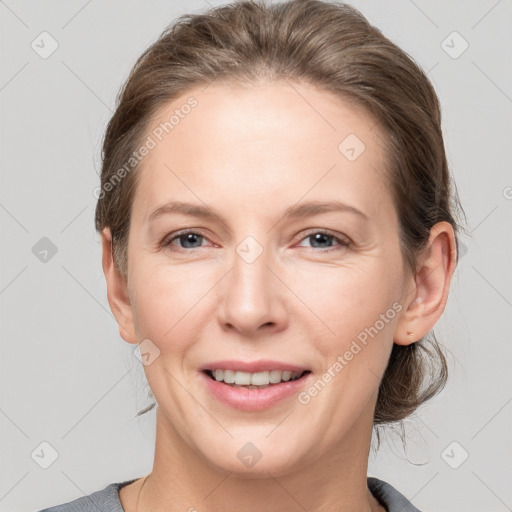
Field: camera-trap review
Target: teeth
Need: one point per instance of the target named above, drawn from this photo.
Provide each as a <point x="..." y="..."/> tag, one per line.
<point x="229" y="376"/>
<point x="260" y="379"/>
<point x="254" y="379"/>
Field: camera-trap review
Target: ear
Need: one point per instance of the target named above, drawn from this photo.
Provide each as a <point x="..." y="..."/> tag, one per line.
<point x="117" y="291"/>
<point x="427" y="293"/>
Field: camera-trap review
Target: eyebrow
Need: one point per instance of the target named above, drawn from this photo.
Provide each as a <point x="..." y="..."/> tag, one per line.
<point x="296" y="211"/>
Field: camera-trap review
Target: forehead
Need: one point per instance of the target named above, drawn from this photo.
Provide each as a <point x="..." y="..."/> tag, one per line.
<point x="257" y="143"/>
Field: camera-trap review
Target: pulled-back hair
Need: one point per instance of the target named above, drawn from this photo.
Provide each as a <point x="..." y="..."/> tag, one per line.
<point x="330" y="46"/>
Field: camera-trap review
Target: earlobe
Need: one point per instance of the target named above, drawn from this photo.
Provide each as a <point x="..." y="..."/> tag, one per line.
<point x="427" y="296"/>
<point x="117" y="291"/>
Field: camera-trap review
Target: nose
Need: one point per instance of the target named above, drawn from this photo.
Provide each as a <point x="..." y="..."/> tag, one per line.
<point x="253" y="299"/>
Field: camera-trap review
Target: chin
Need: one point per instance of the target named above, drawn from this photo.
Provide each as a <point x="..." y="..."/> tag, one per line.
<point x="256" y="460"/>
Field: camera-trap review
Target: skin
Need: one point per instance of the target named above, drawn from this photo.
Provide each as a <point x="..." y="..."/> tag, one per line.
<point x="248" y="153"/>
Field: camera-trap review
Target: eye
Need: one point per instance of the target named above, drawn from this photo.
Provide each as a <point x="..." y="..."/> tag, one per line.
<point x="324" y="239"/>
<point x="320" y="239"/>
<point x="186" y="239"/>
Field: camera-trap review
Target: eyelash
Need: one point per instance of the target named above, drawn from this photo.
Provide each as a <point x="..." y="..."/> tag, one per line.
<point x="341" y="241"/>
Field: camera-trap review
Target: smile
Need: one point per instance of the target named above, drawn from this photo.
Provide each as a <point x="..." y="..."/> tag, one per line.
<point x="257" y="391"/>
<point x="258" y="380"/>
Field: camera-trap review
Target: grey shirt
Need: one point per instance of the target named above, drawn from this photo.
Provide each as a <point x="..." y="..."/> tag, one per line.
<point x="107" y="500"/>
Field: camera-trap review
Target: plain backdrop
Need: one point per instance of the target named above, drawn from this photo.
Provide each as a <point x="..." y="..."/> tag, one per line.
<point x="70" y="386"/>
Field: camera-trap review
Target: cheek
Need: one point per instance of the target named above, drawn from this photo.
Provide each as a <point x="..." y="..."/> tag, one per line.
<point x="358" y="305"/>
<point x="167" y="301"/>
<point x="348" y="300"/>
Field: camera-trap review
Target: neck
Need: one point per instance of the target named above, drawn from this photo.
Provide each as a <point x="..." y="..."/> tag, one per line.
<point x="184" y="481"/>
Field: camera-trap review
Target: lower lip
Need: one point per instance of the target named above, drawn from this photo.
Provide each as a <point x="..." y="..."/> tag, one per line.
<point x="246" y="399"/>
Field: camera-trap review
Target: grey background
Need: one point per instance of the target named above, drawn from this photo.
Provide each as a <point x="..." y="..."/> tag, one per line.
<point x="69" y="380"/>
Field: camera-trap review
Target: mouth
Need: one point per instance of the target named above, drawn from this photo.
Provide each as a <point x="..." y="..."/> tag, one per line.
<point x="254" y="391"/>
<point x="257" y="380"/>
<point x="254" y="385"/>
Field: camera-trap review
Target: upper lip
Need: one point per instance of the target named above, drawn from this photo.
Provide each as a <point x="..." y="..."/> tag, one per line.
<point x="252" y="366"/>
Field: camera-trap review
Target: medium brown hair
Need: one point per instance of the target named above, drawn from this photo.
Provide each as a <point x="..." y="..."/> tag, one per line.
<point x="328" y="45"/>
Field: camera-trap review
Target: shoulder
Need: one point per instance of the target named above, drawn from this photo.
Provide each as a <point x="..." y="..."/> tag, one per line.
<point x="105" y="499"/>
<point x="389" y="497"/>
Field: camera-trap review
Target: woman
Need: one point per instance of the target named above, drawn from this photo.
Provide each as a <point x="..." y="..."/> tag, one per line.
<point x="278" y="236"/>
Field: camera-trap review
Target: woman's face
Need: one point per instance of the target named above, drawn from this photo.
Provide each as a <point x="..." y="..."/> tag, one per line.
<point x="272" y="271"/>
